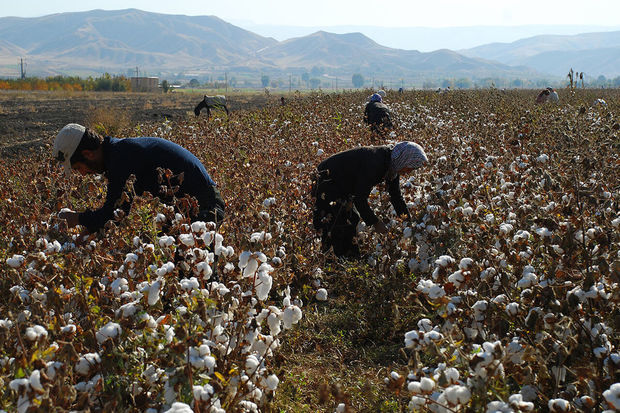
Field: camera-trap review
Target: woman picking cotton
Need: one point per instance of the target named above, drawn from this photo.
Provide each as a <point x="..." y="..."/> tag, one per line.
<point x="343" y="184"/>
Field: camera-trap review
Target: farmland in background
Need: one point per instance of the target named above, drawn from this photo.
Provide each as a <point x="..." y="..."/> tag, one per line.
<point x="501" y="291"/>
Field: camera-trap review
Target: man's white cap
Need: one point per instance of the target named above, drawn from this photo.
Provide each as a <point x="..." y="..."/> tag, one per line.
<point x="66" y="143"/>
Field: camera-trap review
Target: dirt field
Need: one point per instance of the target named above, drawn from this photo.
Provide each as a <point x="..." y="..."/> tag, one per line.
<point x="31" y="119"/>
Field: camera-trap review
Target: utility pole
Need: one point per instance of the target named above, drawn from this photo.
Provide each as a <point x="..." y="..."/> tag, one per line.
<point x="21" y="68"/>
<point x="226" y="79"/>
<point x="137" y="71"/>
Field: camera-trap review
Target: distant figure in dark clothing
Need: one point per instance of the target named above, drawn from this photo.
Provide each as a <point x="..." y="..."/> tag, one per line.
<point x="282" y="101"/>
<point x="86" y="152"/>
<point x="343" y="183"/>
<point x="377" y="114"/>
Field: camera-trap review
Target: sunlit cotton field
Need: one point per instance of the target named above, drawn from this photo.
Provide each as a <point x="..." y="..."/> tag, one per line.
<point x="500" y="295"/>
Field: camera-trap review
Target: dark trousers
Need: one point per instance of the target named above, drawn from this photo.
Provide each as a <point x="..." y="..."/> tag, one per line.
<point x="336" y="218"/>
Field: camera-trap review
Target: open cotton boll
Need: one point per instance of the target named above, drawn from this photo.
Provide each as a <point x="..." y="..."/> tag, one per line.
<point x="35" y="333"/>
<point x="110" y="330"/>
<point x="612" y="396"/>
<point x="263" y="285"/>
<point x="199" y="226"/>
<point x="543" y="158"/>
<point x="321" y="294"/>
<point x="269" y="202"/>
<point x="457" y="394"/>
<point x="250" y="268"/>
<point x="320" y="152"/>
<point x="152" y="291"/>
<point x="291" y="315"/>
<point x="244" y="258"/>
<point x="86" y="362"/>
<point x="189" y="284"/>
<point x="187" y="239"/>
<point x="166" y="241"/>
<point x="251" y="364"/>
<point x="203" y="392"/>
<point x="558" y="405"/>
<point x="272" y="382"/>
<point x="178" y="407"/>
<point x="15" y="261"/>
<point x="204" y="270"/>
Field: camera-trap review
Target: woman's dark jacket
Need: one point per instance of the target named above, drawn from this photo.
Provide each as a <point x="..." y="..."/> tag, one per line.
<point x="142" y="157"/>
<point x="377" y="113"/>
<point x="354" y="173"/>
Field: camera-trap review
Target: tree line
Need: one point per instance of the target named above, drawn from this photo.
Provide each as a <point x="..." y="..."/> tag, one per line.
<point x="105" y="82"/>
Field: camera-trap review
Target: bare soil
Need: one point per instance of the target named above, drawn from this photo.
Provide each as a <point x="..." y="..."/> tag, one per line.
<point x="31" y="119"/>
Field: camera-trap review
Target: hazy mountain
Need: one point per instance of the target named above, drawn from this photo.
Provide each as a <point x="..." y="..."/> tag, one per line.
<point x="592" y="53"/>
<point x="126" y="38"/>
<point x="117" y="41"/>
<point x="426" y="39"/>
<point x="354" y="52"/>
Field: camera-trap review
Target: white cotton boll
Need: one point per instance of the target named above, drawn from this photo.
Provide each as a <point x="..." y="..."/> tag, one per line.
<point x="341" y="408"/>
<point x="119" y="286"/>
<point x="291" y="315"/>
<point x="456" y="278"/>
<point x="199" y="226"/>
<point x="512" y="309"/>
<point x="544" y="232"/>
<point x="152" y="291"/>
<point x="169" y="332"/>
<point x="612" y="396"/>
<point x="15" y="261"/>
<point x="189" y="284"/>
<point x="250" y="268"/>
<point x="320" y="152"/>
<point x="272" y="382"/>
<point x="425" y="325"/>
<point x="528" y="280"/>
<point x="35" y="333"/>
<point x="110" y="330"/>
<point x="86" y="362"/>
<point x="187" y="239"/>
<point x="263" y="285"/>
<point x="204" y="270"/>
<point x="426" y="385"/>
<point x="166" y="241"/>
<point x="203" y="392"/>
<point x="35" y="380"/>
<point x="444" y="261"/>
<point x="68" y="329"/>
<point x="558" y="405"/>
<point x="178" y="407"/>
<point x="244" y="258"/>
<point x="543" y="158"/>
<point x="251" y="364"/>
<point x="457" y="394"/>
<point x="321" y="294"/>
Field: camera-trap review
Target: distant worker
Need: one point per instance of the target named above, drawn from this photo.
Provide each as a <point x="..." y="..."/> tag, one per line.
<point x="211" y="102"/>
<point x="83" y="150"/>
<point x="400" y="90"/>
<point x="377" y="114"/>
<point x="548" y="95"/>
<point x="343" y="183"/>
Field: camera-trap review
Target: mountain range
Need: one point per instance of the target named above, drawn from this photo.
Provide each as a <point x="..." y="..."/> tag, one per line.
<point x="119" y="41"/>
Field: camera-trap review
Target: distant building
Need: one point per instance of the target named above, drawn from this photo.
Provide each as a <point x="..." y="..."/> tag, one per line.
<point x="144" y="84"/>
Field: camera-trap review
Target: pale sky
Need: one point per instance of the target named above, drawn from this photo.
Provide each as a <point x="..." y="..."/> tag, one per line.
<point x="386" y="13"/>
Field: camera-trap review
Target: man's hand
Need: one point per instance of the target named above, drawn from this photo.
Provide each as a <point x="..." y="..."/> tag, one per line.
<point x="70" y="216"/>
<point x="380" y="227"/>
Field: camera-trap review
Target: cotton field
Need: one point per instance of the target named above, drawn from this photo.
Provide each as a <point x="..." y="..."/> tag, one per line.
<point x="499" y="295"/>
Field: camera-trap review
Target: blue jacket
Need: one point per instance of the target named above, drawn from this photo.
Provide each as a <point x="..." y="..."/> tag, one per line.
<point x="141" y="157"/>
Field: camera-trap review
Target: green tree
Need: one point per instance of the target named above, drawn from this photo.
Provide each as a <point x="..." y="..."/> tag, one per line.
<point x="463" y="83"/>
<point x="314" y="83"/>
<point x="264" y="80"/>
<point x="194" y="83"/>
<point x="165" y="86"/>
<point x="358" y="80"/>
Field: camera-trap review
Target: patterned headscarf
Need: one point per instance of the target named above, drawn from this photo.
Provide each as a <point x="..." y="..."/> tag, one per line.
<point x="375" y="97"/>
<point x="406" y="155"/>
